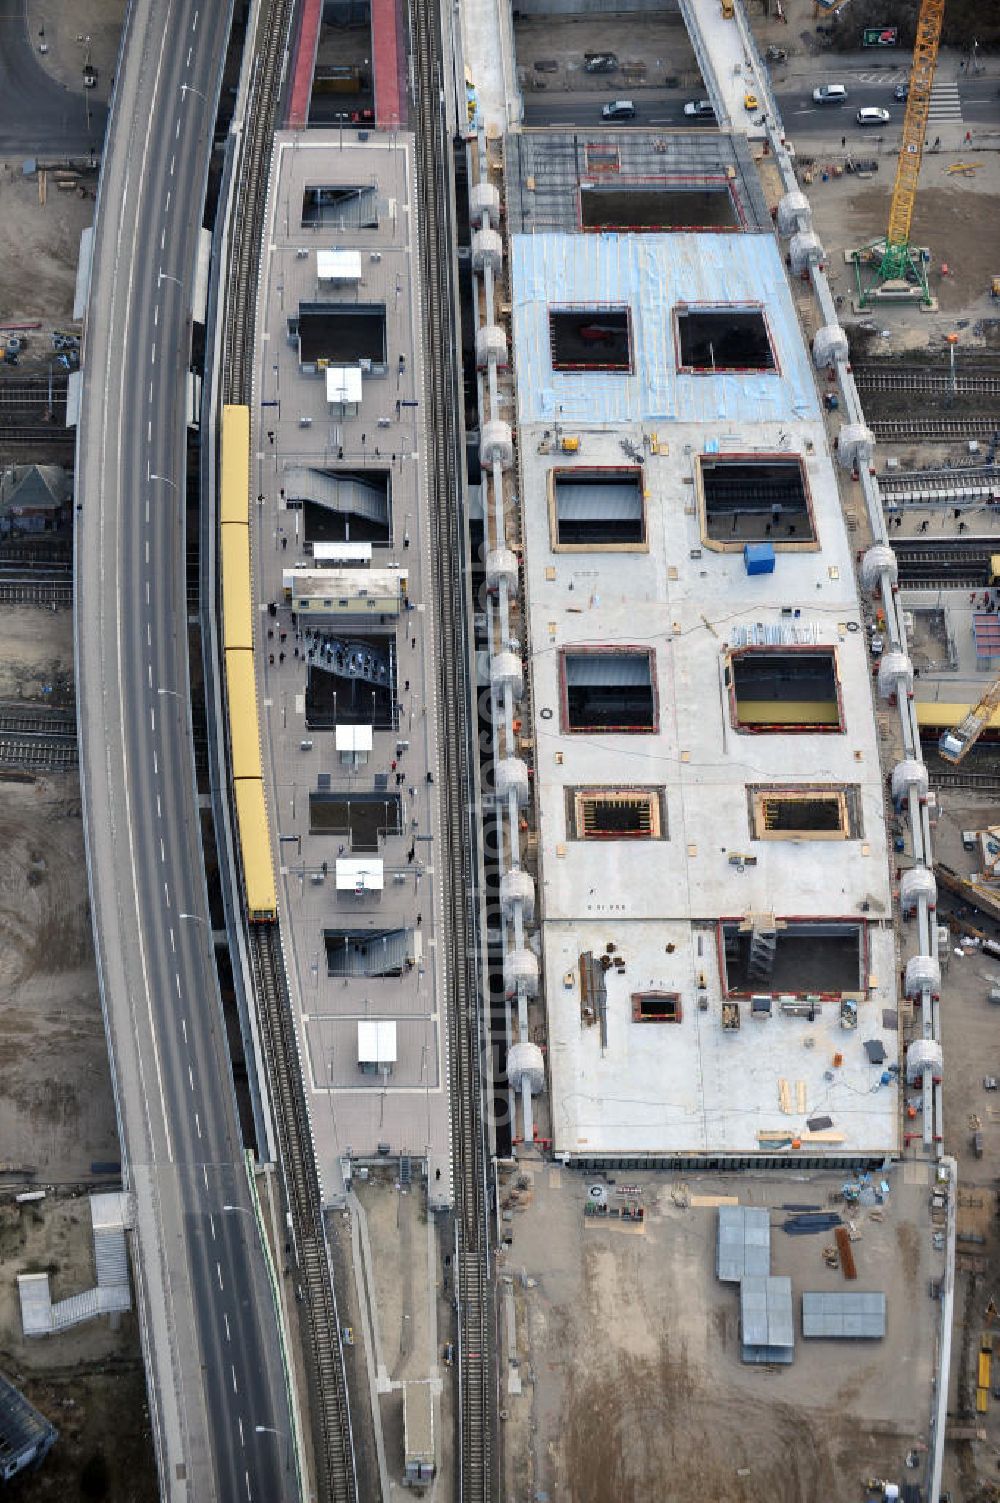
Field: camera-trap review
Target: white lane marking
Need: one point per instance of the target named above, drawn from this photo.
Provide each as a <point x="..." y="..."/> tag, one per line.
<point x="147" y="502"/>
<point x="149" y="673"/>
<point x="147" y="550"/>
<point x="247" y="1476"/>
<point x="149" y="440"/>
<point x="197" y="1123"/>
<point x="163" y="855"/>
<point x="152" y="356"/>
<point x="163" y="237"/>
<point x="211" y="1227"/>
<point x="159" y="814"/>
<point x="152" y="719"/>
<point x="218" y="1272"/>
<point x="147" y="591"/>
<point x="150" y="391"/>
<point x="167" y="206"/>
<point x="156" y="770"/>
<point x="156" y="310"/>
<point x="239" y="1421"/>
<point x="177" y="983"/>
<point x="177" y="132"/>
<point x="149" y="635"/>
<point x="194" y="23"/>
<point x="190" y="1077"/>
<point x="166" y="885"/>
<point x="184" y="1026"/>
<point x="225" y="1322"/>
<point x="232" y="1369"/>
<point x="204" y="1174"/>
<point x="173" y="943"/>
<point x="188" y="63"/>
<point x="173" y="160"/>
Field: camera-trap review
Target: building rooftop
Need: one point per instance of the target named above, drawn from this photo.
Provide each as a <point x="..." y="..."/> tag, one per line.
<point x="847" y="1316"/>
<point x="744" y="1243"/>
<point x="706" y="759"/>
<point x="346" y="691"/>
<point x="767" y="1326"/>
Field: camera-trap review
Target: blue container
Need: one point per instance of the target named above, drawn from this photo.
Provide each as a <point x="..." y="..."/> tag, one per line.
<point x="758" y="558"/>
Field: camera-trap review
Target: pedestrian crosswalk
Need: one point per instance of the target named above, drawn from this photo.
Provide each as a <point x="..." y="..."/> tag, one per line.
<point x="945" y="103"/>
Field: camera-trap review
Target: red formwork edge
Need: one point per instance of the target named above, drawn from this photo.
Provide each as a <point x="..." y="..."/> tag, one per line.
<point x="305" y="64"/>
<point x="387" y="56"/>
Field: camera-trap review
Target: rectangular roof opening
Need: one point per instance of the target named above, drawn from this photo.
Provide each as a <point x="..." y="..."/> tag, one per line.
<point x="340" y="206"/>
<point x="752" y="499"/>
<point x="805" y="813"/>
<point x="784" y="689"/>
<point x="366" y="952"/>
<point x="656" y="1007"/>
<point x="723" y="339"/>
<point x="344" y="506"/>
<point x="365" y="819"/>
<point x="616" y="814"/>
<point x="806" y="957"/>
<point x="591" y="338"/>
<point x="699" y="205"/>
<point x="341" y="333"/>
<point x="350" y="680"/>
<point x="609" y="689"/>
<point x="598" y="508"/>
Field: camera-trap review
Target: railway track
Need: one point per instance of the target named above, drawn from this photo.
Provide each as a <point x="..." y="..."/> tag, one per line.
<point x="38" y="753"/>
<point x="323" y="1342"/>
<point x="12" y="434"/>
<point x="50" y="584"/>
<point x="18" y="719"/>
<point x="952" y="566"/>
<point x="323" y="1352"/>
<point x="986" y="784"/>
<point x="942" y="430"/>
<point x="926" y="379"/>
<point x="476" y="1337"/>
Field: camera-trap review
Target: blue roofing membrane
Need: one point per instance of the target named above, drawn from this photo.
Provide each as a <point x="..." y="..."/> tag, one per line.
<point x="651" y="274"/>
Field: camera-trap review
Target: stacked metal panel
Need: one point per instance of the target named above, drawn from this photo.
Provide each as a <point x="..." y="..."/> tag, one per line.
<point x="767" y="1325"/>
<point x="744" y="1243"/>
<point x="844" y="1317"/>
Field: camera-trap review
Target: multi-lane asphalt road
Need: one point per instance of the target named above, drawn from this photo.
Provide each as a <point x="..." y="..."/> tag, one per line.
<point x="971" y="103"/>
<point x="220" y="1412"/>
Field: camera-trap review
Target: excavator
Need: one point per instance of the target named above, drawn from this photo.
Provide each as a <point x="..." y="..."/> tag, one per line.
<point x="892" y="268"/>
<point x="955" y="744"/>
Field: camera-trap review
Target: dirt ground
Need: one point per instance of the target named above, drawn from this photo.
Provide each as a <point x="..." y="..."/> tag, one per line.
<point x="89" y="1381"/>
<point x="628" y="1356"/>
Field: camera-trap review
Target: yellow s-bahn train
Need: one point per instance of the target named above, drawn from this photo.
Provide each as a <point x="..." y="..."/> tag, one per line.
<point x="241" y="684"/>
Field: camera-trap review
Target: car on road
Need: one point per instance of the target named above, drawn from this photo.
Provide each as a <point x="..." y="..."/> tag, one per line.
<point x="699" y="108"/>
<point x="599" y="62"/>
<point x="830" y="93"/>
<point x="873" y="116"/>
<point x="776" y="55"/>
<point x="901" y="91"/>
<point x="619" y="109"/>
<point x="750" y="101"/>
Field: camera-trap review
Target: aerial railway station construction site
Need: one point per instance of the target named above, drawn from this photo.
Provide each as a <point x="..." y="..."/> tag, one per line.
<point x="595" y="692"/>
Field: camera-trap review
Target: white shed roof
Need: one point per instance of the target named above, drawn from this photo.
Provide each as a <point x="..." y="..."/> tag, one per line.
<point x="343" y="383"/>
<point x="354" y="738"/>
<point x="376" y="1043"/>
<point x="359" y="875"/>
<point x="338" y="265"/>
<point x="325" y="553"/>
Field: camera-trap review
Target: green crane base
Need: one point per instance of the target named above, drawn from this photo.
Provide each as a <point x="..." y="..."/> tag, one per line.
<point x="888" y="273"/>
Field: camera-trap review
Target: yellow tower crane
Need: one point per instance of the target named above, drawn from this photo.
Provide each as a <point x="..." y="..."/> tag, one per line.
<point x="954" y="744"/>
<point x="893" y="259"/>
